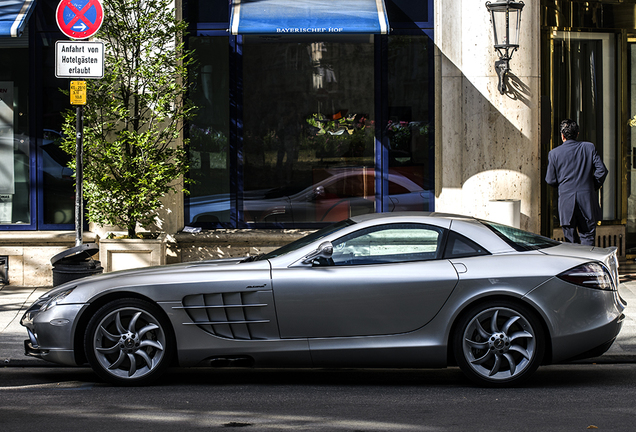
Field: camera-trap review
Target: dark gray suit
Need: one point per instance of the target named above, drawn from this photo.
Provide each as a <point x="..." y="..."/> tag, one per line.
<point x="578" y="171"/>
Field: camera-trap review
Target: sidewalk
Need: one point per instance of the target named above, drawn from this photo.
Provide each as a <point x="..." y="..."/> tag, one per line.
<point x="15" y="300"/>
<point x="624" y="349"/>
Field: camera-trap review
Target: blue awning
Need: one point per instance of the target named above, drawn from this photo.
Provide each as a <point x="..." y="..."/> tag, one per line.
<point x="308" y="17"/>
<point x="14" y="14"/>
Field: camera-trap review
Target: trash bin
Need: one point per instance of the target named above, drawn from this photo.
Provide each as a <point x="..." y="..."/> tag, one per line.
<point x="75" y="263"/>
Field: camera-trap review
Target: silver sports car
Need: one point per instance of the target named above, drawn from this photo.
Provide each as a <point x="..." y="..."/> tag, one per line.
<point x="382" y="290"/>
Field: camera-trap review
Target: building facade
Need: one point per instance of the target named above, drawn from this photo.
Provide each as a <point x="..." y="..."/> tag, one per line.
<point x="394" y="108"/>
<point x="296" y="128"/>
<point x="587" y="59"/>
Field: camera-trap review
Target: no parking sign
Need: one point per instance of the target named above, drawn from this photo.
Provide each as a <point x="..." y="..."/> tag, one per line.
<point x="79" y="19"/>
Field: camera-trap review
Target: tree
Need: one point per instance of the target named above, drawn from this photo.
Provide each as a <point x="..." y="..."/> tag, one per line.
<point x="134" y="114"/>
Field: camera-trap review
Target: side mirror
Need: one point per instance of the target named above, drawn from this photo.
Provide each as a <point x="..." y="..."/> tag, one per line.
<point x="319" y="192"/>
<point x="325" y="250"/>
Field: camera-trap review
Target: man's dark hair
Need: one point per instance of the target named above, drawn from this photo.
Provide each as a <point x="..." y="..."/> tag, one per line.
<point x="569" y="129"/>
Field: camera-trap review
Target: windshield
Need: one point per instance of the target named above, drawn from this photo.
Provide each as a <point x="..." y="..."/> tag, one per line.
<point x="520" y="240"/>
<point x="307" y="239"/>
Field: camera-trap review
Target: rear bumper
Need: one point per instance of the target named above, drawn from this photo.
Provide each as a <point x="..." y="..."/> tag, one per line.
<point x="581" y="322"/>
<point x="593" y="353"/>
<point x="591" y="343"/>
<point x="602" y="348"/>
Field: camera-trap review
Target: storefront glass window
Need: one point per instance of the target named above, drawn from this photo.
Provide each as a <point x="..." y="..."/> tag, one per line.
<point x="309" y="129"/>
<point x="301" y="144"/>
<point x="210" y="11"/>
<point x="209" y="132"/>
<point x="14" y="132"/>
<point x="409" y="127"/>
<point x="405" y="11"/>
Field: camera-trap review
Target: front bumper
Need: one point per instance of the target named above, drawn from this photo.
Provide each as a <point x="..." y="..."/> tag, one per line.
<point x="51" y="333"/>
<point x="63" y="357"/>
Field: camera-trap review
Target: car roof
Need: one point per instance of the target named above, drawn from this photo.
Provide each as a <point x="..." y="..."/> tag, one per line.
<point x="412" y="214"/>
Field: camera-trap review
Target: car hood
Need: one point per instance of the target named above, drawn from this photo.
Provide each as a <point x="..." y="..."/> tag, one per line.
<point x="171" y="268"/>
<point x="158" y="282"/>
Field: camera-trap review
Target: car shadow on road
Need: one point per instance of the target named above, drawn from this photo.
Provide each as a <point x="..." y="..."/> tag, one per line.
<point x="556" y="376"/>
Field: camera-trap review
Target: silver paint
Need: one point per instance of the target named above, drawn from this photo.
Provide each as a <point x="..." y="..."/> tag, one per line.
<point x="287" y="312"/>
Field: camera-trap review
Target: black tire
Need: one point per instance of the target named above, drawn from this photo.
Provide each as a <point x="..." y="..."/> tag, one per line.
<point x="499" y="343"/>
<point x="129" y="342"/>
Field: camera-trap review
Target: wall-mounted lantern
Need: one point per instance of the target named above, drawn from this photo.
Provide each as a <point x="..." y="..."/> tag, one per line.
<point x="505" y="16"/>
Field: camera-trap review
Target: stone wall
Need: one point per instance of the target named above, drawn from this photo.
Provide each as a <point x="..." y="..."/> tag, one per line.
<point x="30" y="252"/>
<point x="487" y="144"/>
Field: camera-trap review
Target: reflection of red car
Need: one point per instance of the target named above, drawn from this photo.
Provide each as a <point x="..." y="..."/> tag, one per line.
<point x="343" y="193"/>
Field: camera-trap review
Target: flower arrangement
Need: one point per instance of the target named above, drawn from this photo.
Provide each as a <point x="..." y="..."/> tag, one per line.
<point x="341" y="135"/>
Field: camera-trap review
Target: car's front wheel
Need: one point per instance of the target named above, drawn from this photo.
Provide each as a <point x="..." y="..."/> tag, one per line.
<point x="499" y="343"/>
<point x="129" y="342"/>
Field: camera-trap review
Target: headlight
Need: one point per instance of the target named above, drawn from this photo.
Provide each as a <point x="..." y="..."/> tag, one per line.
<point x="55" y="299"/>
<point x="590" y="275"/>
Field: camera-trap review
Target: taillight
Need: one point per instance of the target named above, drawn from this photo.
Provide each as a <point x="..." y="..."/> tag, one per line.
<point x="589" y="275"/>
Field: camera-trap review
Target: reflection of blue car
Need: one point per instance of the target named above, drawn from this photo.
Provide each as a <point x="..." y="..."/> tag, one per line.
<point x="344" y="193"/>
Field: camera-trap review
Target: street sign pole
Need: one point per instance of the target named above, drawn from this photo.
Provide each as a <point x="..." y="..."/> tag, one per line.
<point x="78" y="97"/>
<point x="79" y="19"/>
<point x="79" y="169"/>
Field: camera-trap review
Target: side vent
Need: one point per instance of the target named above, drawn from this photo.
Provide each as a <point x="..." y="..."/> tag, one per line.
<point x="234" y="315"/>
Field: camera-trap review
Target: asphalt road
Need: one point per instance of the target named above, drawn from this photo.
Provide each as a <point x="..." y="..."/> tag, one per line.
<point x="571" y="397"/>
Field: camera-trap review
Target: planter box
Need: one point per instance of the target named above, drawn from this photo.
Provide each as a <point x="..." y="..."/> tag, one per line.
<point x="123" y="254"/>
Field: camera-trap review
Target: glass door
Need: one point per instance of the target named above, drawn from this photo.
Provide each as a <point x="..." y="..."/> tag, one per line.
<point x="631" y="147"/>
<point x="583" y="87"/>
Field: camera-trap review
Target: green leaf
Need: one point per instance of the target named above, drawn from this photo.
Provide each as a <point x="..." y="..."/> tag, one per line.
<point x="132" y="120"/>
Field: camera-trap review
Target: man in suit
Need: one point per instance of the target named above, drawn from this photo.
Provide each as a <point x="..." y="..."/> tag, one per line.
<point x="578" y="171"/>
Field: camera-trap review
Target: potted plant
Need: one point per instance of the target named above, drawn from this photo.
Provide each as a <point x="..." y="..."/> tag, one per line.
<point x="134" y="116"/>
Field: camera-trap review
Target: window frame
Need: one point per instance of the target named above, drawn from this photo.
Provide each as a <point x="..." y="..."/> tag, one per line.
<point x="382" y="199"/>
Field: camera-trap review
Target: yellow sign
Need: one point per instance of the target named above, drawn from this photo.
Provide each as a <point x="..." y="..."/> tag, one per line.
<point x="78" y="92"/>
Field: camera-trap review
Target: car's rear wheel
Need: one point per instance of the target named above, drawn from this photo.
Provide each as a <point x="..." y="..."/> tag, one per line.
<point x="499" y="343"/>
<point x="129" y="342"/>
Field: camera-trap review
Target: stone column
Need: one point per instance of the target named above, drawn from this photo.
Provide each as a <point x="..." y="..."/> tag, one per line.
<point x="487" y="144"/>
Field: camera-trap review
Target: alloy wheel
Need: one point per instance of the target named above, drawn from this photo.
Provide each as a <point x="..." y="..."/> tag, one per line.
<point x="127" y="342"/>
<point x="500" y="345"/>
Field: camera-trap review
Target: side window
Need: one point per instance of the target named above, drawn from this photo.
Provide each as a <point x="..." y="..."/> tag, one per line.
<point x="392" y="243"/>
<point x="459" y="246"/>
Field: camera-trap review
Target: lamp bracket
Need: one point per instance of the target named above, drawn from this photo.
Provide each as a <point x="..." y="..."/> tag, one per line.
<point x="502" y="66"/>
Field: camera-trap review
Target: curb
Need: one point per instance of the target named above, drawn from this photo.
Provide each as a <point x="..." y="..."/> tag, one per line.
<point x="27" y="362"/>
<point x="608" y="359"/>
<point x="39" y="363"/>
